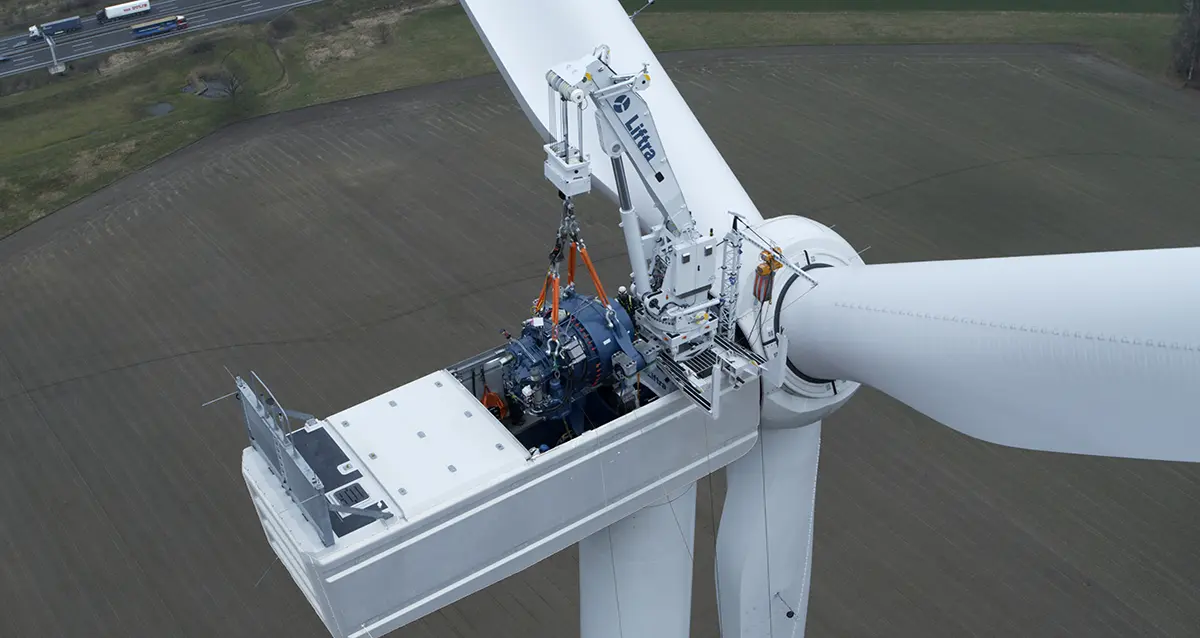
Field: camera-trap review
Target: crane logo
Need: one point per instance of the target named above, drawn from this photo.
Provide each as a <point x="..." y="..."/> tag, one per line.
<point x="638" y="132"/>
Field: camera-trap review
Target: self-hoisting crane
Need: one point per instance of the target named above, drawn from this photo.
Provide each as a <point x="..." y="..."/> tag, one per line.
<point x="684" y="322"/>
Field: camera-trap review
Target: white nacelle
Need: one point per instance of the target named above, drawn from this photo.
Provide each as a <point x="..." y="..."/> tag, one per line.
<point x="470" y="505"/>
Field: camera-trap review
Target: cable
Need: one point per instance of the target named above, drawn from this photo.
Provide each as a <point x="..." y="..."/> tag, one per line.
<point x="612" y="560"/>
<point x="762" y="460"/>
<point x="757" y="328"/>
<point x="712" y="510"/>
<point x="678" y="525"/>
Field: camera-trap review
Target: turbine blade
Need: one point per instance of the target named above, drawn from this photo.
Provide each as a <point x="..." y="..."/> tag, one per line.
<point x="527" y="38"/>
<point x="1094" y="353"/>
<point x="764" y="544"/>
<point x="635" y="576"/>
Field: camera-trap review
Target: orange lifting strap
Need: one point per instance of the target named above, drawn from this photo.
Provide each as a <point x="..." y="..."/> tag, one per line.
<point x="554" y="305"/>
<point x="587" y="261"/>
<point x="537" y="307"/>
<point x="571" y="266"/>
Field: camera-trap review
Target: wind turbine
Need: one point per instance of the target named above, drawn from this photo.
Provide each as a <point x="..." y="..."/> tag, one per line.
<point x="381" y="522"/>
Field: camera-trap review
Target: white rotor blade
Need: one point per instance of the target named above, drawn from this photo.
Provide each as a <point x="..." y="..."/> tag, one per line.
<point x="1095" y="353"/>
<point x="527" y="38"/>
<point x="764" y="544"/>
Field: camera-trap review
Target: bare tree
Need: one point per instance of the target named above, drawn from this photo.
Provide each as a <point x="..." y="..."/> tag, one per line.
<point x="234" y="84"/>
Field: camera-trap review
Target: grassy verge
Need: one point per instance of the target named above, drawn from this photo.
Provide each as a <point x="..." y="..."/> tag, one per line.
<point x="810" y="6"/>
<point x="1138" y="40"/>
<point x="73" y="135"/>
<point x="373" y="51"/>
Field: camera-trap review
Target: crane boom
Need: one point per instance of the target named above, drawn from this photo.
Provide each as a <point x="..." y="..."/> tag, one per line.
<point x="626" y="128"/>
<point x="687" y="291"/>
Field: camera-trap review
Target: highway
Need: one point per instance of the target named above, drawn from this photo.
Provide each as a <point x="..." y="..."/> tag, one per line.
<point x="96" y="38"/>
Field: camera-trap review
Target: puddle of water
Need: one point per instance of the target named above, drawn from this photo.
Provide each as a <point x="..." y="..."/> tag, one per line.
<point x="162" y="108"/>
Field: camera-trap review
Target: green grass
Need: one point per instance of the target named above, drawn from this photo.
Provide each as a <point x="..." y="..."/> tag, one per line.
<point x="1140" y="41"/>
<point x="63" y="140"/>
<point x="74" y="136"/>
<point x="1078" y="6"/>
<point x="430" y="46"/>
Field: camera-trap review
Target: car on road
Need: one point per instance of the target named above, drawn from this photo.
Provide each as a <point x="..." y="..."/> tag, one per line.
<point x="4" y="59"/>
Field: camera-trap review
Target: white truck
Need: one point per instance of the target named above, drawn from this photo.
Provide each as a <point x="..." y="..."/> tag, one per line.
<point x="123" y="10"/>
<point x="58" y="27"/>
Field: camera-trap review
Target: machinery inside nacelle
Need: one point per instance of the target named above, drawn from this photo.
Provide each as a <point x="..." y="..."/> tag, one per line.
<point x="548" y="386"/>
<point x="582" y="361"/>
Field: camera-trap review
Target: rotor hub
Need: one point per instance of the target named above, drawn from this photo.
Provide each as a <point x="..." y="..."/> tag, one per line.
<point x="803" y="398"/>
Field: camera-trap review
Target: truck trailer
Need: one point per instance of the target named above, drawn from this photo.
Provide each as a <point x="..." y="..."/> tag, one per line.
<point x="156" y="27"/>
<point x="58" y="27"/>
<point x="123" y="10"/>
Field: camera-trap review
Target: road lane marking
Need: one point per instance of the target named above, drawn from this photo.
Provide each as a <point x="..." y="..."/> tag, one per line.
<point x="251" y="6"/>
<point x="24" y="58"/>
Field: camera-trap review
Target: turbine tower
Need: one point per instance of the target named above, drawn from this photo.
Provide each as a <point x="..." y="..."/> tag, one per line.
<point x="593" y="426"/>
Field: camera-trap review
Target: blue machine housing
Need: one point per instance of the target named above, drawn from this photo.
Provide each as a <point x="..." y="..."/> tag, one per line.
<point x="558" y="386"/>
